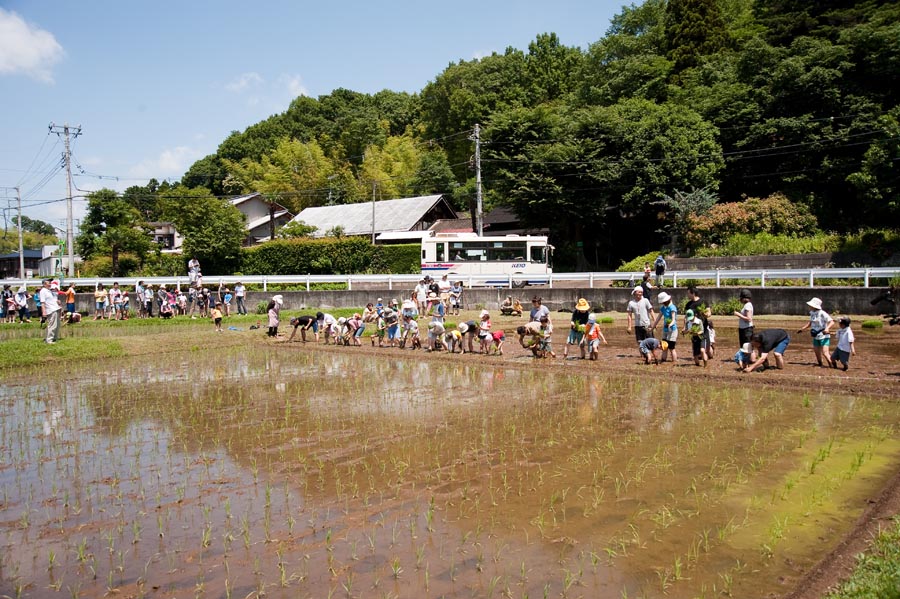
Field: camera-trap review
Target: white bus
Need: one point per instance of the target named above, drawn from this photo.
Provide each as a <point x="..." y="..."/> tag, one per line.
<point x="526" y="257"/>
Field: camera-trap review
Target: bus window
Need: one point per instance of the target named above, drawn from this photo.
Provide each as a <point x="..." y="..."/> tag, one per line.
<point x="538" y="254"/>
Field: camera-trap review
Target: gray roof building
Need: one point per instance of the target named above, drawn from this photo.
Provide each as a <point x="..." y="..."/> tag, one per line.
<point x="405" y="214"/>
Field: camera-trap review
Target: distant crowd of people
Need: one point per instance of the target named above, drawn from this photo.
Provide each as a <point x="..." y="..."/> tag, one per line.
<point x="396" y="324"/>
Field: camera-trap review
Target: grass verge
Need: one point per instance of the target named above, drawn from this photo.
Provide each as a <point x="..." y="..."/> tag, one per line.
<point x="877" y="573"/>
<point x="30" y="352"/>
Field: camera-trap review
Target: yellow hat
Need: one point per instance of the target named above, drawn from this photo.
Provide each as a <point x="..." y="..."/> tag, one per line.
<point x="582" y="305"/>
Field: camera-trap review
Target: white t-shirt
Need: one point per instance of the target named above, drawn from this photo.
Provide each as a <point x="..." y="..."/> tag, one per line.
<point x="641" y="311"/>
<point x="845" y="338"/>
<point x="239" y="290"/>
<point x="747" y="311"/>
<point x="819" y="319"/>
<point x="49" y="300"/>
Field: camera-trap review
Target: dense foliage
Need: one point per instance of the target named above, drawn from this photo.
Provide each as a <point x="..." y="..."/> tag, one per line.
<point x="329" y="256"/>
<point x="742" y="98"/>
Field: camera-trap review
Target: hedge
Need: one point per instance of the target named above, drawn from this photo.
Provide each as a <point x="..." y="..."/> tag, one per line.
<point x="345" y="255"/>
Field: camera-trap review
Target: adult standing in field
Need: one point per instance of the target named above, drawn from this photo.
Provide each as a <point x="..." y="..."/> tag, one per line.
<point x="50" y="310"/>
<point x="162" y="297"/>
<point x="745" y="318"/>
<point x="444" y="286"/>
<point x="193" y="270"/>
<point x="819" y="325"/>
<point x="640" y="315"/>
<point x="421" y="292"/>
<point x="100" y="295"/>
<point x="148" y="301"/>
<point x="699" y="308"/>
<point x="668" y="313"/>
<point x="240" y="292"/>
<point x="22" y="304"/>
<point x="139" y="298"/>
<point x="580" y="316"/>
<point x="660" y="265"/>
<point x="774" y="341"/>
<point x="538" y="309"/>
<point x="274" y="310"/>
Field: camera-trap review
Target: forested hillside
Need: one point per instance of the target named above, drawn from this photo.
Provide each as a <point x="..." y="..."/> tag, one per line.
<point x="731" y="98"/>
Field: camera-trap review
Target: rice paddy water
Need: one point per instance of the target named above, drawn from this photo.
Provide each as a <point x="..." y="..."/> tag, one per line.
<point x="284" y="473"/>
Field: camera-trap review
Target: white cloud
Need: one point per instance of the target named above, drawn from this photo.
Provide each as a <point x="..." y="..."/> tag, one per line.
<point x="244" y="81"/>
<point x="293" y="84"/>
<point x="27" y="49"/>
<point x="171" y="163"/>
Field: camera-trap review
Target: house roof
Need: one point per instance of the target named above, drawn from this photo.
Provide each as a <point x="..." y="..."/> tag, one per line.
<point x="30" y="254"/>
<point x="452" y="225"/>
<point x="356" y="219"/>
<point x="264" y="220"/>
<point x="250" y="196"/>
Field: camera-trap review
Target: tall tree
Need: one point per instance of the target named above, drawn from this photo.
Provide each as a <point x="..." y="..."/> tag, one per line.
<point x="212" y="228"/>
<point x="32" y="225"/>
<point x="112" y="226"/>
<point x="694" y="28"/>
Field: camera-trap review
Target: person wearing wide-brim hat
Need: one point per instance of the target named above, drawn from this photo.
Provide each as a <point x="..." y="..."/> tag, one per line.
<point x="819" y="325"/>
<point x="668" y="313"/>
<point x="580" y="316"/>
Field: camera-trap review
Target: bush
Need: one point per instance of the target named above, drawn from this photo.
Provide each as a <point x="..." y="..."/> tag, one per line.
<point x="637" y="264"/>
<point x="309" y="256"/>
<point x="758" y="244"/>
<point x="397" y="259"/>
<point x="101" y="266"/>
<point x="727" y="307"/>
<point x="162" y="265"/>
<point x="776" y="215"/>
<point x="873" y="324"/>
<point x="261" y="307"/>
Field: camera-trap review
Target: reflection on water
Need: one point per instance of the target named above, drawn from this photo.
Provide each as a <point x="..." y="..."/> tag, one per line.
<point x="292" y="472"/>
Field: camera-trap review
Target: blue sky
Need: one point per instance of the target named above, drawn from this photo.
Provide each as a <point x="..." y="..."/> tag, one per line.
<point x="157" y="85"/>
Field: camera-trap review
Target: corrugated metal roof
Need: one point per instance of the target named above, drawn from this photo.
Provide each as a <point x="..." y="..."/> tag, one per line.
<point x="356" y="219"/>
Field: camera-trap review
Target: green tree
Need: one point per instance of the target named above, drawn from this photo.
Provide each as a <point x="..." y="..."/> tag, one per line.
<point x="295" y="229"/>
<point x="32" y="225"/>
<point x="212" y="228"/>
<point x="298" y="174"/>
<point x="694" y="29"/>
<point x="111" y="227"/>
<point x="592" y="175"/>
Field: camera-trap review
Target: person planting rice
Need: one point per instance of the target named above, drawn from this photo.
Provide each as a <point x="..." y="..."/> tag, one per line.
<point x="468" y="330"/>
<point x="668" y="313"/>
<point x="651" y="346"/>
<point x="744" y="356"/>
<point x="845" y="345"/>
<point x="304" y="323"/>
<point x="530" y="336"/>
<point x="773" y="341"/>
<point x="695" y="327"/>
<point x="576" y="333"/>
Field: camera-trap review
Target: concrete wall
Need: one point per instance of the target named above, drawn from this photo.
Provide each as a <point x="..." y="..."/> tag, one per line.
<point x="769" y="300"/>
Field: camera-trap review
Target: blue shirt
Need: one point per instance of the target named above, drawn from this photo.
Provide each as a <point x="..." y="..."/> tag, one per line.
<point x="669" y="313"/>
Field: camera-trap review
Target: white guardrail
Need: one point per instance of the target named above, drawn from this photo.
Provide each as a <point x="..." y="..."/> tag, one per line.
<point x="582" y="279"/>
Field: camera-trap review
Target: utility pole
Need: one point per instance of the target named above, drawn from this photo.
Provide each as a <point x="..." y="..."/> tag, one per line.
<point x="21" y="250"/>
<point x="479" y="216"/>
<point x="374" y="185"/>
<point x="70" y="230"/>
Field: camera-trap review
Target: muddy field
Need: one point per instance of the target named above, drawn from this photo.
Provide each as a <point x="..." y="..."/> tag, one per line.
<point x="241" y="466"/>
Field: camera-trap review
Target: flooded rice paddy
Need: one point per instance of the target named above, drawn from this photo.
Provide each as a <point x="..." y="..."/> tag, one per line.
<point x="289" y="473"/>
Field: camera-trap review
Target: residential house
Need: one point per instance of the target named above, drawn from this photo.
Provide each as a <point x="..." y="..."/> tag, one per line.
<point x="388" y="220"/>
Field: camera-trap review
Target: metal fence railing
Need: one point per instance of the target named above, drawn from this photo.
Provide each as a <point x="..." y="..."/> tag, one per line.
<point x="718" y="278"/>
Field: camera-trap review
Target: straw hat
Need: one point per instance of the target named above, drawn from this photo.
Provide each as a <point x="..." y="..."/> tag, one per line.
<point x="582" y="305"/>
<point x="664" y="297"/>
<point x="815" y="303"/>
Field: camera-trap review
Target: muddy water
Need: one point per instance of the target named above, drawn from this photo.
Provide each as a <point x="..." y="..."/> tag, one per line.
<point x="290" y="473"/>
